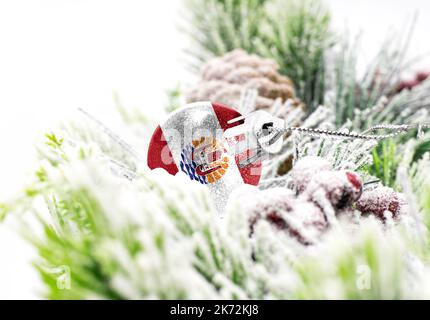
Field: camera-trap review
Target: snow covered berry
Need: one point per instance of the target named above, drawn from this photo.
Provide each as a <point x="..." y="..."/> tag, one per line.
<point x="307" y="168"/>
<point x="341" y="188"/>
<point x="300" y="219"/>
<point x="380" y="202"/>
<point x="409" y="84"/>
<point x="264" y="201"/>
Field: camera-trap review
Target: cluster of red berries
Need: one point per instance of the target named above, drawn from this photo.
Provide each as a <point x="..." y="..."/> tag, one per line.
<point x="313" y="178"/>
<point x="319" y="188"/>
<point x="412" y="83"/>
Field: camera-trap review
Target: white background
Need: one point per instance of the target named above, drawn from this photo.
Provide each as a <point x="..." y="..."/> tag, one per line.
<point x="57" y="55"/>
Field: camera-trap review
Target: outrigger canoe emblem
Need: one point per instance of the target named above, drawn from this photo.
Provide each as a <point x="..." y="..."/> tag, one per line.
<point x="205" y="159"/>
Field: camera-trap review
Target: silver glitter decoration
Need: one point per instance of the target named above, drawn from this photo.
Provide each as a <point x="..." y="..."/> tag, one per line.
<point x="192" y="122"/>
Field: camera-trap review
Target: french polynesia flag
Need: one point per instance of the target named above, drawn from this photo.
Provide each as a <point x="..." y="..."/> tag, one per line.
<point x="192" y="141"/>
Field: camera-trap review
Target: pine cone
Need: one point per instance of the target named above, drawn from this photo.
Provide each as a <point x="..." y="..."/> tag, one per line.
<point x="224" y="78"/>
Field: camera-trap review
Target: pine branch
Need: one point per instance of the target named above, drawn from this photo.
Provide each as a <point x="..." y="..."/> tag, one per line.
<point x="357" y="98"/>
<point x="219" y="26"/>
<point x="297" y="38"/>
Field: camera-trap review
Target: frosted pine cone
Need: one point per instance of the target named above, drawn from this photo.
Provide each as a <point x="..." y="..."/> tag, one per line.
<point x="224" y="79"/>
<point x="381" y="201"/>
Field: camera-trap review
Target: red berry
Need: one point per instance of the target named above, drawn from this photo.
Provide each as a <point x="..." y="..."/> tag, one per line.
<point x="306" y="168"/>
<point x="284" y="212"/>
<point x="341" y="188"/>
<point x="354" y="179"/>
<point x="411" y="83"/>
<point x="422" y="75"/>
<point x="407" y="84"/>
<point x="379" y="201"/>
